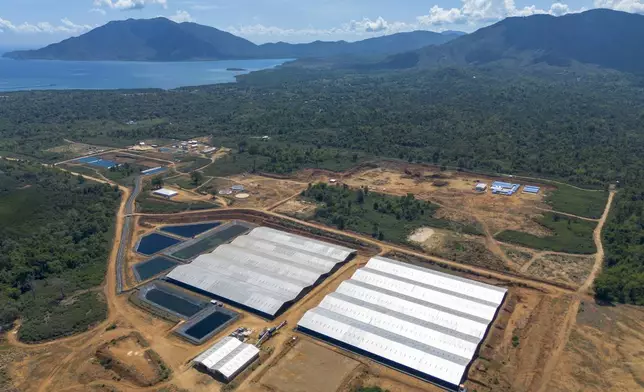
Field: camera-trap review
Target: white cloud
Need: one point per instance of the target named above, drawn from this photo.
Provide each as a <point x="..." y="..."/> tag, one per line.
<point x="66" y="26"/>
<point x="636" y="6"/>
<point x="126" y="5"/>
<point x="98" y="11"/>
<point x="476" y="12"/>
<point x="181" y="16"/>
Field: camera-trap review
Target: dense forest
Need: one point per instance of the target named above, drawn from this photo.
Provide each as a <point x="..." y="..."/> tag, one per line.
<point x="623" y="277"/>
<point x="581" y="126"/>
<point x="55" y="234"/>
<point x="384" y="217"/>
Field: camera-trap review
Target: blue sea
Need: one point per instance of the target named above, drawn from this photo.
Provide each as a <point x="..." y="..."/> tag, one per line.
<point x="16" y="75"/>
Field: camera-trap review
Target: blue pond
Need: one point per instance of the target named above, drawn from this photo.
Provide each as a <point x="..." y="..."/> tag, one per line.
<point x="190" y="231"/>
<point x="153" y="243"/>
<point x="173" y="302"/>
<point x="208" y="324"/>
<point x="152" y="267"/>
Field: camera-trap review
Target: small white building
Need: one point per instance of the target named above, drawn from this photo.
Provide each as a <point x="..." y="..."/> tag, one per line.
<point x="167" y="193"/>
<point x="227" y="358"/>
<point x="481" y="187"/>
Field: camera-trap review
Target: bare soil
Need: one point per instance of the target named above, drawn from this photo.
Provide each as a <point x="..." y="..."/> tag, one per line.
<point x="605" y="351"/>
<point x="458" y="195"/>
<point x="562" y="268"/>
<point x="309" y="367"/>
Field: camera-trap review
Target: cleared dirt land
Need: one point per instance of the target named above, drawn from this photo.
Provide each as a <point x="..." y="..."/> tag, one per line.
<point x="455" y="192"/>
<point x="309" y="367"/>
<point x="605" y="351"/>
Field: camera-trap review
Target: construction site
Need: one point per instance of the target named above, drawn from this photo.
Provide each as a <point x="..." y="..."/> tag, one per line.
<point x="254" y="294"/>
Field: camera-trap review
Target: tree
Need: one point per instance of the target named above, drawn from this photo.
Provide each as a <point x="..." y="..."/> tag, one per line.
<point x="360" y="196"/>
<point x="197" y="178"/>
<point x="157" y="182"/>
<point x="80" y="179"/>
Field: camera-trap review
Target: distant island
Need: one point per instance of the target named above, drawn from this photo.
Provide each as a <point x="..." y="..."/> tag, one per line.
<point x="236" y="69"/>
<point x="161" y="39"/>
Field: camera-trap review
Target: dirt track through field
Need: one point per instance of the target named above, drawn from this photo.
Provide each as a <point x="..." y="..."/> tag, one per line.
<point x="597" y="236"/>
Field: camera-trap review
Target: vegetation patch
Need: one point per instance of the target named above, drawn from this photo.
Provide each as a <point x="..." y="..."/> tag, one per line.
<point x="571" y="200"/>
<point x="382" y="216"/>
<point x="55" y="236"/>
<point x="622" y="279"/>
<point x="62" y="316"/>
<point x="570" y="235"/>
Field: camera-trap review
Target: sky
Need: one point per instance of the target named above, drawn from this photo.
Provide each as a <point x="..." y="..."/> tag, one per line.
<point x="28" y="23"/>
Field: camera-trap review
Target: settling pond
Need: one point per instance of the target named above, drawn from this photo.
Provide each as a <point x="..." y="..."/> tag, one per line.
<point x="147" y="269"/>
<point x="207" y="324"/>
<point x="190" y="231"/>
<point x="153" y="243"/>
<point x="172" y="299"/>
<point x="209" y="242"/>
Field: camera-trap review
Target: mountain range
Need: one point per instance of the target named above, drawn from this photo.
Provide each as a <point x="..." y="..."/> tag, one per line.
<point x="161" y="39"/>
<point x="601" y="37"/>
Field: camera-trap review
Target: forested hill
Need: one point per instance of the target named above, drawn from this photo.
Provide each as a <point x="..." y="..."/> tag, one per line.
<point x="607" y="38"/>
<point x="161" y="39"/>
<point x="55" y="235"/>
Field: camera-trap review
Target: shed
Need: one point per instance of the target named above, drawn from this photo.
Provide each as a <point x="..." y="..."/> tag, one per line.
<point x="227" y="358"/>
<point x="481" y="187"/>
<point x="167" y="193"/>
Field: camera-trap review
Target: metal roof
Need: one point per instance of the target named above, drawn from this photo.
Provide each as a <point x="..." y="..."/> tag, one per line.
<point x="303" y="243"/>
<point x="248" y="272"/>
<point x="165" y="192"/>
<point x="228" y="356"/>
<point x="418" y="318"/>
<point x="285" y="252"/>
<point x="437" y="279"/>
<point x="260" y="261"/>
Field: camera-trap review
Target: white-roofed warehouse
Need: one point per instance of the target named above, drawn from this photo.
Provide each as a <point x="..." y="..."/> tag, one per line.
<point x="420" y="321"/>
<point x="264" y="272"/>
<point x="227" y="358"/>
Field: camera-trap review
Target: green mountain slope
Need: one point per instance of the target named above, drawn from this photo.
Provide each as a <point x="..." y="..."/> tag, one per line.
<point x="160" y="39"/>
<point x="606" y="38"/>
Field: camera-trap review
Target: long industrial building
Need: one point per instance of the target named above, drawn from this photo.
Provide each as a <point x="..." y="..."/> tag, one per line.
<point x="422" y="322"/>
<point x="227" y="358"/>
<point x="264" y="272"/>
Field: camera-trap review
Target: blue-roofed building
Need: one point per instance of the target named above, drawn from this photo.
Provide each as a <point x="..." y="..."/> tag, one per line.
<point x="531" y="189"/>
<point x="504" y="188"/>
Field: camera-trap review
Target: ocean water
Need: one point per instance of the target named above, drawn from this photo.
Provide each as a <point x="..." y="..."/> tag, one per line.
<point x="16" y="75"/>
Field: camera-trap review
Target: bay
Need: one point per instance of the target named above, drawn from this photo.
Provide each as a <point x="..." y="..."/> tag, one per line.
<point x="17" y="75"/>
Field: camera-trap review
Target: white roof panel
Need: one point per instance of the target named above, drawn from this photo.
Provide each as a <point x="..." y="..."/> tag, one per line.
<point x="409" y="306"/>
<point x="219" y="351"/>
<point x="439" y="280"/>
<point x="222" y="286"/>
<point x="285" y="252"/>
<point x="413" y="329"/>
<point x="303" y="243"/>
<point x="424" y="293"/>
<point x="423" y="320"/>
<point x="237" y="362"/>
<point x="400" y="351"/>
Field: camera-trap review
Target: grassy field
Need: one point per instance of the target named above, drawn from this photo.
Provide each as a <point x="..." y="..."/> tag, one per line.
<point x="235" y="164"/>
<point x="184" y="182"/>
<point x="569" y="235"/>
<point x="589" y="204"/>
<point x="190" y="163"/>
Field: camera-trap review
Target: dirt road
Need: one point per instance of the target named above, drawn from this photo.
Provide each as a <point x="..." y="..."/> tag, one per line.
<point x="599" y="256"/>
